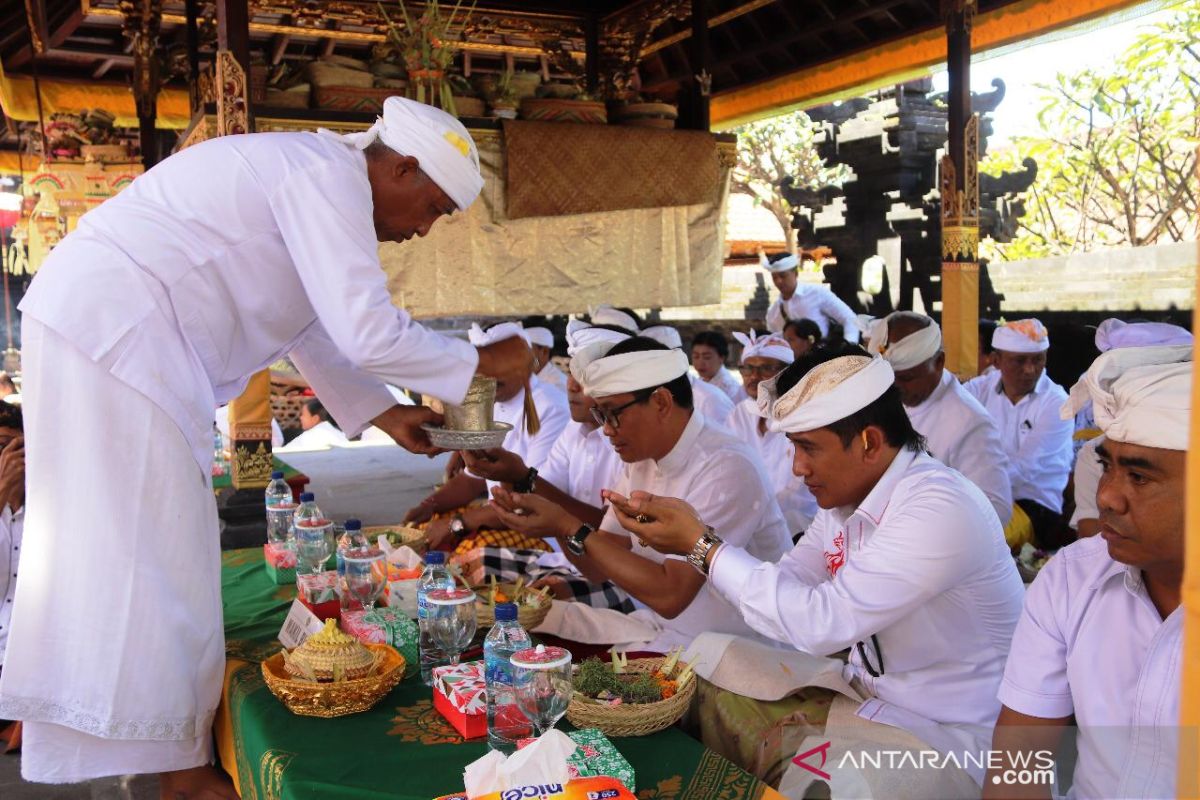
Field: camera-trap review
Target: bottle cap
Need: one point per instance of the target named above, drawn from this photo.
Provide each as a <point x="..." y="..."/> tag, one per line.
<point x="307" y="497"/>
<point x="506" y="612"/>
<point x="435" y="557"/>
<point x="353" y="525"/>
<point x="276" y="475"/>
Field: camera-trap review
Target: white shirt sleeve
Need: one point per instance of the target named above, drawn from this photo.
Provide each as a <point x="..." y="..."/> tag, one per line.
<point x="556" y="468"/>
<point x="1035" y="678"/>
<point x="882" y="582"/>
<point x="977" y="387"/>
<point x="1044" y="456"/>
<point x="1087" y="482"/>
<point x="979" y="455"/>
<point x="345" y="284"/>
<point x="352" y="396"/>
<point x="836" y="310"/>
<point x="775" y="320"/>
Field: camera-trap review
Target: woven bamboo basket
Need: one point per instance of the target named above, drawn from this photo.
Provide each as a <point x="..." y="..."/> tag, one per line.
<point x="632" y="719"/>
<point x="409" y="537"/>
<point x="310" y="699"/>
<point x="485" y="614"/>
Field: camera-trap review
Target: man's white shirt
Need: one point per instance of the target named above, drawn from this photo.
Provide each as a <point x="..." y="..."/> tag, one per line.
<point x="710" y="401"/>
<point x="1088" y="471"/>
<point x="553" y="416"/>
<point x="963" y="436"/>
<point x="921" y="565"/>
<point x="271" y="251"/>
<point x="730" y="384"/>
<point x="552" y="375"/>
<point x="321" y="436"/>
<point x="581" y="463"/>
<point x="817" y="303"/>
<point x="724" y="480"/>
<point x="11" y="528"/>
<point x="1092" y="645"/>
<point x="796" y="502"/>
<point x="1036" y="439"/>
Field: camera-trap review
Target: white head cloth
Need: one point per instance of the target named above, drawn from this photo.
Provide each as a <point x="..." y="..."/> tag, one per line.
<point x="442" y="146"/>
<point x="1114" y="333"/>
<point x="767" y="345"/>
<point x="580" y="334"/>
<point x="607" y="315"/>
<point x="1140" y="395"/>
<point x="864" y="323"/>
<point x="664" y="335"/>
<point x="789" y="261"/>
<point x="1021" y="336"/>
<point x="540" y="336"/>
<point x="914" y="349"/>
<point x="602" y="375"/>
<point x="497" y="333"/>
<point x="827" y="393"/>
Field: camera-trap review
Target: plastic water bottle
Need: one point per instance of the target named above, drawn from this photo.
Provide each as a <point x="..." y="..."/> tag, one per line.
<point x="280" y="510"/>
<point x="351" y="539"/>
<point x="220" y="462"/>
<point x="506" y="723"/>
<point x="435" y="576"/>
<point x="314" y="536"/>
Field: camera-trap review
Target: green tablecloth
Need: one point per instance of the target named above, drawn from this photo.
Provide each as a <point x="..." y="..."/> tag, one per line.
<point x="226" y="481"/>
<point x="402" y="749"/>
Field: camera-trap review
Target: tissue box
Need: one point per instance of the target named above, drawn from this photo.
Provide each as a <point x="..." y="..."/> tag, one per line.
<point x="402" y="596"/>
<point x="595" y="756"/>
<point x="578" y="789"/>
<point x="386" y="626"/>
<point x="280" y="561"/>
<point x="460" y="695"/>
<point x="319" y="593"/>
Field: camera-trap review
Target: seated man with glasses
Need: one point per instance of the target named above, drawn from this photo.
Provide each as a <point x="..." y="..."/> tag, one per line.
<point x="764" y="357"/>
<point x="905" y="565"/>
<point x="644" y="406"/>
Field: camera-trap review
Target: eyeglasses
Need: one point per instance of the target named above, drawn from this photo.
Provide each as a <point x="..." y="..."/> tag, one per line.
<point x="612" y="416"/>
<point x="765" y="370"/>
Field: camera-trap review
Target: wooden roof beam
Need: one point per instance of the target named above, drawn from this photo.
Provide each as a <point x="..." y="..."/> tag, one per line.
<point x="54" y="40"/>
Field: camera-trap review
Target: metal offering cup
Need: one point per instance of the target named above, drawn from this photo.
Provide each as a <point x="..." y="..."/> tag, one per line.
<point x="475" y="413"/>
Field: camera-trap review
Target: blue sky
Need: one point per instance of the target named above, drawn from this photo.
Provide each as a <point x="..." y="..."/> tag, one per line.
<point x="1095" y="45"/>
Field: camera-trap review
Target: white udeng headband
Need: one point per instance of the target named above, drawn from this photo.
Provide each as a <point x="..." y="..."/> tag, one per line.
<point x="1139" y="395"/>
<point x="581" y="335"/>
<point x="789" y="261"/>
<point x="829" y="392"/>
<point x="664" y="335"/>
<point x="543" y="337"/>
<point x="916" y="348"/>
<point x="767" y="345"/>
<point x="497" y="333"/>
<point x="630" y="372"/>
<point x="1021" y="336"/>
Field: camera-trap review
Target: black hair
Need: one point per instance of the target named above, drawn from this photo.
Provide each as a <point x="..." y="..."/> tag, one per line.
<point x="986" y="328"/>
<point x="317" y="409"/>
<point x="11" y="416"/>
<point x="680" y="388"/>
<point x="804" y="328"/>
<point x="714" y="339"/>
<point x="885" y="412"/>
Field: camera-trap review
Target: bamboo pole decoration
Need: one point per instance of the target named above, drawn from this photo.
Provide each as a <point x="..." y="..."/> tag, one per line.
<point x="1189" y="700"/>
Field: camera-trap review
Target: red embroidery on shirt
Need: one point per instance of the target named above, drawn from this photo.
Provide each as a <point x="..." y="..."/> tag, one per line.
<point x="837" y="559"/>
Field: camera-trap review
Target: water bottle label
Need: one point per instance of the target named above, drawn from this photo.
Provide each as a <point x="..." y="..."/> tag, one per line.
<point x="421" y="613"/>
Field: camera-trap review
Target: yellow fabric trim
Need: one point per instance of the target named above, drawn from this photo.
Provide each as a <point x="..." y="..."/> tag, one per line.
<point x="1189" y="734"/>
<point x="1087" y="434"/>
<point x="960" y="318"/>
<point x="19" y="101"/>
<point x="11" y="162"/>
<point x="223" y="727"/>
<point x="899" y="61"/>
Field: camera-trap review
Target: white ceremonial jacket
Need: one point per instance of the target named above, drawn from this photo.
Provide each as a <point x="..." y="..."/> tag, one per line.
<point x="553" y="414"/>
<point x="921" y="565"/>
<point x="724" y="480"/>
<point x="817" y="303"/>
<point x="963" y="436"/>
<point x="796" y="502"/>
<point x="729" y="384"/>
<point x="710" y="401"/>
<point x="228" y="256"/>
<point x="1035" y="437"/>
<point x="1091" y="644"/>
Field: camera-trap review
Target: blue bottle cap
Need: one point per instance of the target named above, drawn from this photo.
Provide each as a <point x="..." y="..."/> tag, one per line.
<point x="435" y="557"/>
<point x="276" y="475"/>
<point x="307" y="497"/>
<point x="506" y="612"/>
<point x="353" y="525"/>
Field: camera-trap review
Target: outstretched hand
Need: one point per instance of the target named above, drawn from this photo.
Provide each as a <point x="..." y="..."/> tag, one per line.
<point x="496" y="464"/>
<point x="533" y="515"/>
<point x="667" y="524"/>
<point x="403" y="424"/>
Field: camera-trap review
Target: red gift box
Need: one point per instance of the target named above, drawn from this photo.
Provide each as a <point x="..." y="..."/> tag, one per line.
<point x="469" y="726"/>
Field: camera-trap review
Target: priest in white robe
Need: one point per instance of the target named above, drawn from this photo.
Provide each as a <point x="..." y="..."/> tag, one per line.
<point x="957" y="429"/>
<point x="158" y="308"/>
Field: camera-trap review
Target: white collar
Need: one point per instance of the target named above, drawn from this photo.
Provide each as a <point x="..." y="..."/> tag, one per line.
<point x="676" y="461"/>
<point x="877" y="500"/>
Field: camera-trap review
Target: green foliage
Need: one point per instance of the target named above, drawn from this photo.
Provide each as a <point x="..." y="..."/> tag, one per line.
<point x="642" y="689"/>
<point x="771" y="149"/>
<point x="594" y="676"/>
<point x="1117" y="157"/>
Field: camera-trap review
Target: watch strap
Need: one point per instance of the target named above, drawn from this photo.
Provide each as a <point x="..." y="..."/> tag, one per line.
<point x="699" y="556"/>
<point x="574" y="542"/>
<point x="526" y="484"/>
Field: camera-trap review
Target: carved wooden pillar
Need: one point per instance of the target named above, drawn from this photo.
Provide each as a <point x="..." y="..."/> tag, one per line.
<point x="142" y="22"/>
<point x="249" y="414"/>
<point x="699" y="88"/>
<point x="959" y="183"/>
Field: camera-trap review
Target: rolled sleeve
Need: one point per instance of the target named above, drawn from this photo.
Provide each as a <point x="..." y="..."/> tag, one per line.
<point x="1035" y="678"/>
